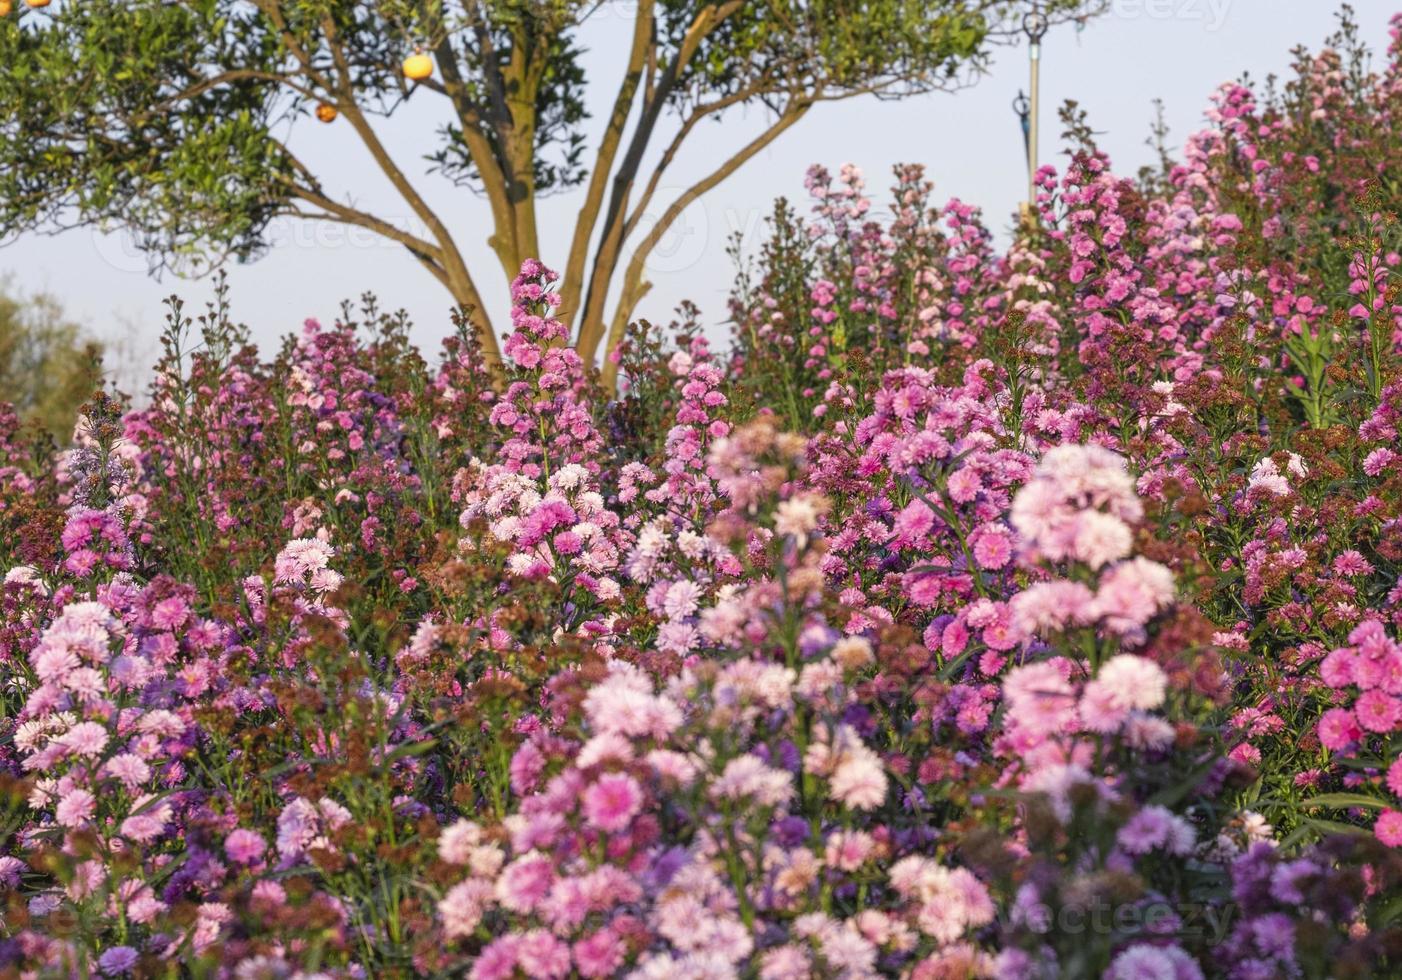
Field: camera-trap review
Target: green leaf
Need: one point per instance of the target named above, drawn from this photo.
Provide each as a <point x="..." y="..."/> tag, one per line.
<point x="1335" y="827"/>
<point x="1345" y="800"/>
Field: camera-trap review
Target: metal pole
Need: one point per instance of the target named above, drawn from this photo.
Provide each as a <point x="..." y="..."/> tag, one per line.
<point x="1034" y="25"/>
<point x="1035" y="56"/>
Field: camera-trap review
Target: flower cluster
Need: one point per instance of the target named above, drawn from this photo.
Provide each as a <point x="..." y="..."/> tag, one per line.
<point x="1012" y="613"/>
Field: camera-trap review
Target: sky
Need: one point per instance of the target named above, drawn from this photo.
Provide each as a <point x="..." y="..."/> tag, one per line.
<point x="1178" y="51"/>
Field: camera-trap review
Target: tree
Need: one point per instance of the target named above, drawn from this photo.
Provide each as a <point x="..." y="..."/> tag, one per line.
<point x="49" y="365"/>
<point x="174" y="118"/>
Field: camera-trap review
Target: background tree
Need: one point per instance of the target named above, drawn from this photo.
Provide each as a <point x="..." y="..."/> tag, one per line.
<point x="175" y="118"/>
<point x="49" y="365"/>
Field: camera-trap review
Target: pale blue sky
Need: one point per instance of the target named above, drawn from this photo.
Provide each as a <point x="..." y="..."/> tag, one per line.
<point x="1176" y="50"/>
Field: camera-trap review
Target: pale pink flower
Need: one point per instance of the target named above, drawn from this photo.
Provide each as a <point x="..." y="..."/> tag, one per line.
<point x="1100" y="709"/>
<point x="1040" y="697"/>
<point x="129" y="769"/>
<point x="1045" y="608"/>
<point x="1133" y="682"/>
<point x="1096" y="539"/>
<point x="1266" y="477"/>
<point x="87" y="738"/>
<point x="1133" y="592"/>
<point x="847" y="850"/>
<point x="462" y="907"/>
<point x="749" y="776"/>
<point x="859" y="783"/>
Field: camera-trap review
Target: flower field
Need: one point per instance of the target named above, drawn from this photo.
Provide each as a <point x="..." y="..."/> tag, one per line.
<point x="971" y="613"/>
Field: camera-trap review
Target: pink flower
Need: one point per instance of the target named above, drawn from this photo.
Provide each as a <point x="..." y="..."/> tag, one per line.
<point x="612" y="801"/>
<point x="1336" y="669"/>
<point x="458" y="840"/>
<point x="1133" y="682"/>
<point x="859" y="781"/>
<point x="244" y="846"/>
<point x="964" y="485"/>
<point x="567" y="543"/>
<point x="954" y="638"/>
<point x="542" y="955"/>
<point x="993" y="549"/>
<point x="913" y="523"/>
<point x="1096" y="538"/>
<point x="1388" y="828"/>
<point x="75" y="808"/>
<point x="1100" y="709"/>
<point x="788" y="962"/>
<point x="497" y="961"/>
<point x="1378" y="460"/>
<point x="1000" y="633"/>
<point x="1040" y="698"/>
<point x="1045" y="608"/>
<point x="1338" y="729"/>
<point x="1351" y="563"/>
<point x="461" y="908"/>
<point x="1133" y="592"/>
<point x="527" y="764"/>
<point x="599" y="954"/>
<point x="525" y="882"/>
<point x="1377" y="711"/>
<point x="87" y="738"/>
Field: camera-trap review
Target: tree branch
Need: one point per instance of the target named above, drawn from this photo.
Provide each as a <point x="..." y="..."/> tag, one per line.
<point x="591" y="324"/>
<point x="633" y="285"/>
<point x="642" y="53"/>
<point x="462" y="284"/>
<point x="481" y="149"/>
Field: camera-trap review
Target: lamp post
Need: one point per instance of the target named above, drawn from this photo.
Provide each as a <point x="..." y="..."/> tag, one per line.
<point x="1034" y="25"/>
<point x="1023" y="108"/>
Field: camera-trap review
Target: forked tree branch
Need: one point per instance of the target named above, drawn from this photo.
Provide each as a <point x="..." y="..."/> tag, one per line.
<point x="634" y="288"/>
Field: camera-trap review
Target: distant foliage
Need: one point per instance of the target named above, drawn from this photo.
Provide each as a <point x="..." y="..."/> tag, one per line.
<point x="48" y="364"/>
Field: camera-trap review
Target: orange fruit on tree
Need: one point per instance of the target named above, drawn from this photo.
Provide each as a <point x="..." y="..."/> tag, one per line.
<point x="417" y="66"/>
<point x="5" y="8"/>
<point x="35" y="3"/>
<point x="326" y="113"/>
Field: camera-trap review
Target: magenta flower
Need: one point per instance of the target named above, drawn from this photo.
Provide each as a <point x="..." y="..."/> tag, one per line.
<point x="1338" y="729"/>
<point x="1388" y="827"/>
